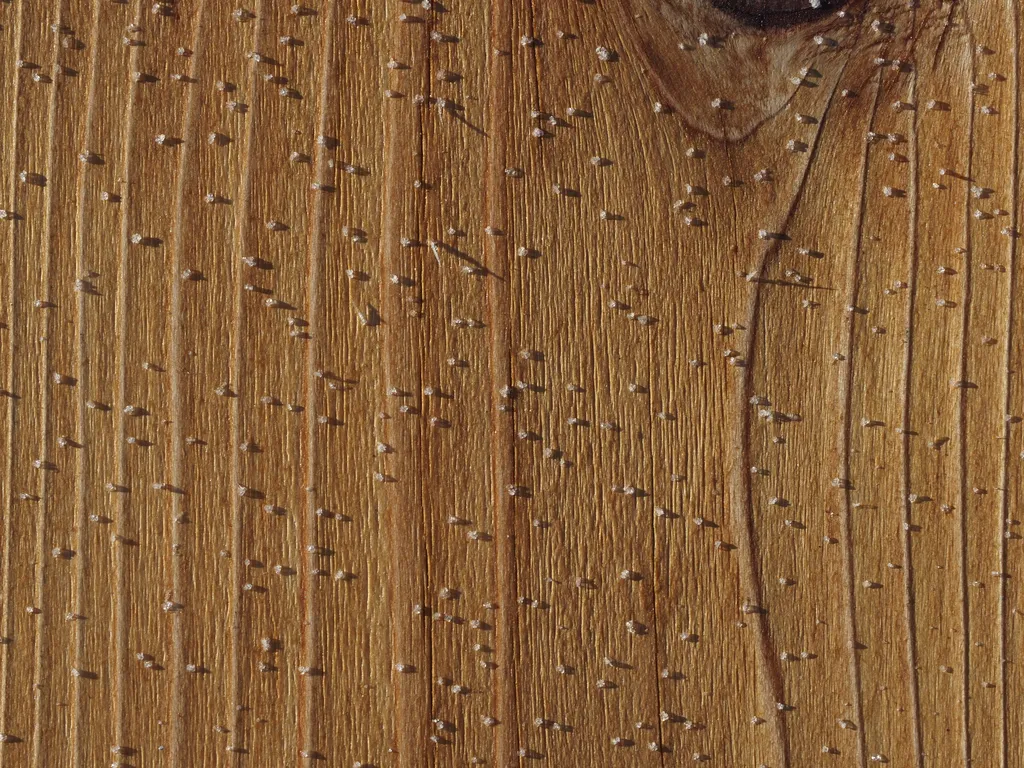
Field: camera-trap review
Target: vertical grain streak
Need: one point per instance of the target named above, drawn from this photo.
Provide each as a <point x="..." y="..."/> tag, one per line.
<point x="742" y="508"/>
<point x="947" y="25"/>
<point x="311" y="634"/>
<point x="656" y="634"/>
<point x="658" y="612"/>
<point x="422" y="480"/>
<point x="190" y="133"/>
<point x="12" y="302"/>
<point x="387" y="235"/>
<point x="407" y="551"/>
<point x="657" y="637"/>
<point x="122" y="333"/>
<point x="847" y="403"/>
<point x="503" y="454"/>
<point x="82" y="514"/>
<point x="965" y="614"/>
<point x="238" y="310"/>
<point x="908" y="560"/>
<point x="427" y="545"/>
<point x="1004" y="506"/>
<point x="531" y="16"/>
<point x="43" y="512"/>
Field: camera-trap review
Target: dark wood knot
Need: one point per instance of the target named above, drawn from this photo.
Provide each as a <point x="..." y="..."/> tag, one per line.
<point x="778" y="13"/>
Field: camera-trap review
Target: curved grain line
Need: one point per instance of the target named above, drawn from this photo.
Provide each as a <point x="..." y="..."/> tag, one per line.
<point x="847" y="398"/>
<point x="742" y="508"/>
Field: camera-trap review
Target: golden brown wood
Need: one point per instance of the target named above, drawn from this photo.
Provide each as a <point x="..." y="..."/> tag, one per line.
<point x="588" y="383"/>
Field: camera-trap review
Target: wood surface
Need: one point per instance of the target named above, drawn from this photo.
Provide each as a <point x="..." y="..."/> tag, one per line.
<point x="493" y="382"/>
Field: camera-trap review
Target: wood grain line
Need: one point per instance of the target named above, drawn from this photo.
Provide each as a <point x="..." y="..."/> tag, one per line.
<point x="123" y="334"/>
<point x="847" y="399"/>
<point x="908" y="559"/>
<point x="964" y="503"/>
<point x="241" y="237"/>
<point x="1008" y="400"/>
<point x="14" y="301"/>
<point x="403" y="344"/>
<point x="45" y="417"/>
<point x="81" y="495"/>
<point x="504" y="699"/>
<point x="769" y="673"/>
<point x="310" y="736"/>
<point x="98" y="257"/>
<point x="190" y="137"/>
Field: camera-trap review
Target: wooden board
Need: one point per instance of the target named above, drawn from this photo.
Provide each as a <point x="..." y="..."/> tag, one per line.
<point x="589" y="383"/>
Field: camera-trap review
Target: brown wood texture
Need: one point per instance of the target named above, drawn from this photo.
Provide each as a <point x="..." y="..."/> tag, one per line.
<point x="493" y="382"/>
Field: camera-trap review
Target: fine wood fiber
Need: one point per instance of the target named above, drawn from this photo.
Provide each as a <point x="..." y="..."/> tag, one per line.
<point x="577" y="383"/>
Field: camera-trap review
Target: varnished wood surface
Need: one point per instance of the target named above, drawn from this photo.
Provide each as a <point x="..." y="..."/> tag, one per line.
<point x="581" y="383"/>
